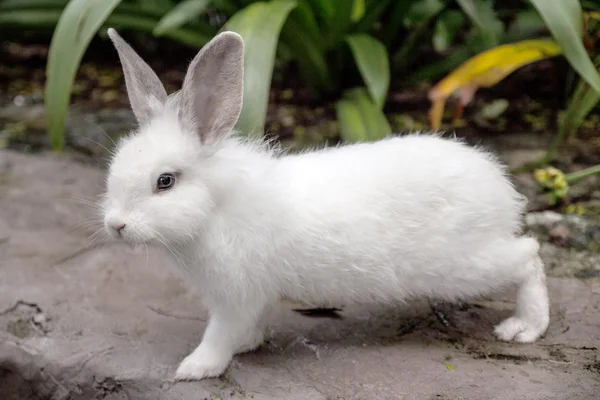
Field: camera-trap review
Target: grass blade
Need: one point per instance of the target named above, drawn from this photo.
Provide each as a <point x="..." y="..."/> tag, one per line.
<point x="583" y="100"/>
<point x="37" y="19"/>
<point x="565" y="21"/>
<point x="29" y="4"/>
<point x="180" y="14"/>
<point x="259" y="24"/>
<point x="372" y="60"/>
<point x="358" y="10"/>
<point x="76" y="27"/>
<point x="446" y="28"/>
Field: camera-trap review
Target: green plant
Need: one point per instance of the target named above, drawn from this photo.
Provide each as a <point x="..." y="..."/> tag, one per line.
<point x="77" y="21"/>
<point x="556" y="183"/>
<point x="318" y="36"/>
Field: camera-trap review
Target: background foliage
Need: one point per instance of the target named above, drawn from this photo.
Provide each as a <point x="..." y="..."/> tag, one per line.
<point x="347" y="51"/>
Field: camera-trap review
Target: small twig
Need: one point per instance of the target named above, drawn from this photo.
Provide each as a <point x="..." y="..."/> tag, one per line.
<point x="168" y="314"/>
<point x="21" y="303"/>
<point x="560" y="362"/>
<point x="73" y="255"/>
<point x="53" y="379"/>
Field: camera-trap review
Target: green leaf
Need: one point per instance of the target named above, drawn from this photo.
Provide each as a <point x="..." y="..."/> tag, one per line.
<point x="373" y="14"/>
<point x="36" y="19"/>
<point x="565" y="22"/>
<point x="180" y="14"/>
<point x="421" y="12"/>
<point x="446" y="28"/>
<point x="372" y="60"/>
<point x="196" y="36"/>
<point x="416" y="19"/>
<point x="481" y="13"/>
<point x="583" y="100"/>
<point x="160" y="6"/>
<point x="259" y="24"/>
<point x="435" y="70"/>
<point x="526" y="24"/>
<point x="36" y="4"/>
<point x="358" y="10"/>
<point x="340" y="21"/>
<point x="76" y="27"/>
<point x="359" y="118"/>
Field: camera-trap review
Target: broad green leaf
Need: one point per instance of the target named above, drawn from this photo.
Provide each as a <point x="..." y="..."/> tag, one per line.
<point x="446" y="28"/>
<point x="259" y="24"/>
<point x="372" y="60"/>
<point x="76" y="27"/>
<point x="180" y="14"/>
<point x="565" y="21"/>
<point x="481" y="12"/>
<point x="352" y="126"/>
<point x="486" y="70"/>
<point x="359" y="118"/>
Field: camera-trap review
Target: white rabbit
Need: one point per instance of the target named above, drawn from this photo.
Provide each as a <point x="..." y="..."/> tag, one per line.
<point x="403" y="217"/>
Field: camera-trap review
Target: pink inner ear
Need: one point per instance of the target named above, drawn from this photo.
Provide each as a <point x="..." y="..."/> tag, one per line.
<point x="213" y="87"/>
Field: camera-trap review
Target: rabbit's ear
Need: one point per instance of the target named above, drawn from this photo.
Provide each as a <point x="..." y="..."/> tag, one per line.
<point x="213" y="87"/>
<point x="146" y="93"/>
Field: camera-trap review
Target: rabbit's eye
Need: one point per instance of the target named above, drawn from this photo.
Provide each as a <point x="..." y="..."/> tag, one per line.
<point x="165" y="181"/>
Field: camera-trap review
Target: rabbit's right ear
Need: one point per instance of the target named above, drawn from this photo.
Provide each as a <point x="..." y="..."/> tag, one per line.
<point x="146" y="93"/>
<point x="213" y="87"/>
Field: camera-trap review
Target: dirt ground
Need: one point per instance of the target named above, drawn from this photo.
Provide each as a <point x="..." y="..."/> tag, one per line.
<point x="113" y="322"/>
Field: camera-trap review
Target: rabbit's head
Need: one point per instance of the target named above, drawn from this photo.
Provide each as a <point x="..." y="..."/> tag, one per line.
<point x="159" y="180"/>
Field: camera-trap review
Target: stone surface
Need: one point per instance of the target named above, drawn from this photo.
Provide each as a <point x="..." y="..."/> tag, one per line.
<point x="82" y="322"/>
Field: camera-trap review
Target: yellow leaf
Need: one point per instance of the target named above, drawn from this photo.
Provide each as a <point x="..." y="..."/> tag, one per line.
<point x="485" y="70"/>
<point x="449" y="366"/>
<point x="592" y="14"/>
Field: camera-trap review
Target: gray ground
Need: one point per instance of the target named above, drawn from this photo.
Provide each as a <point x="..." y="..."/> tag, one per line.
<point x="113" y="322"/>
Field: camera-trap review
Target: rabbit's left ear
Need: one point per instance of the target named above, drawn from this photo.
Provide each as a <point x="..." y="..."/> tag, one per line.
<point x="146" y="93"/>
<point x="212" y="91"/>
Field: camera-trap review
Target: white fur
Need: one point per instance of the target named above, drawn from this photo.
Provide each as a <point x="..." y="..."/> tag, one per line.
<point x="399" y="218"/>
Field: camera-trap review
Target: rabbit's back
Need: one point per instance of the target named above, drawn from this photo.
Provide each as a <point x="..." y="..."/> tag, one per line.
<point x="419" y="181"/>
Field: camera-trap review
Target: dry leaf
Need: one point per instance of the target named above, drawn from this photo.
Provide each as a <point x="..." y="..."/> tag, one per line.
<point x="485" y="70"/>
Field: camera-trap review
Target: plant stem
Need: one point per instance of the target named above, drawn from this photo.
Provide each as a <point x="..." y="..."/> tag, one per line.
<point x="584" y="173"/>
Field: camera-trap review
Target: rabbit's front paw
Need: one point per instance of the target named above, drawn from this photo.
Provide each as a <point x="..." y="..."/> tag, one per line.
<point x="202" y="363"/>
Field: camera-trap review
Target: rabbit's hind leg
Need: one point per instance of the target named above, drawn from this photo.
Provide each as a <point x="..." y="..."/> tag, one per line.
<point x="532" y="314"/>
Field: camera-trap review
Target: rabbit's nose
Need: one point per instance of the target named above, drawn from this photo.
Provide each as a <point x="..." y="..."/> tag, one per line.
<point x="119" y="227"/>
